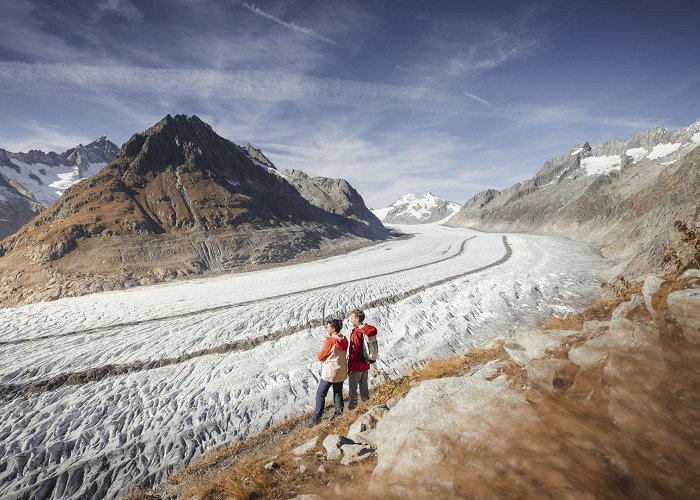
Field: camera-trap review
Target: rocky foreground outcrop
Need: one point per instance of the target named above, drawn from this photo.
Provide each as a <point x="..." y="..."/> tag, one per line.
<point x="607" y="410"/>
<point x="179" y="200"/>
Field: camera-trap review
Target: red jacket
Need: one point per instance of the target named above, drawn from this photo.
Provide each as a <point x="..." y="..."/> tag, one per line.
<point x="357" y="338"/>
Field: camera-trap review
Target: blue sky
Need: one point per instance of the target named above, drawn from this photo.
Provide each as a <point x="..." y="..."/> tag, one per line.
<point x="395" y="96"/>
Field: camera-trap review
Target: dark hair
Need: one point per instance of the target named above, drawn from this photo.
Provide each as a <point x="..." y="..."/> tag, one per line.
<point x="335" y="323"/>
<point x="359" y="313"/>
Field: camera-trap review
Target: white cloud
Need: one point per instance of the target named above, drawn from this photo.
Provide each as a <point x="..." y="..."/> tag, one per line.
<point x="45" y="138"/>
<point x="208" y="83"/>
<point x="291" y="25"/>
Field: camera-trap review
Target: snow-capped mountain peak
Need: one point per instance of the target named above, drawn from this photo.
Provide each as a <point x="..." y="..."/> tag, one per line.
<point x="412" y="209"/>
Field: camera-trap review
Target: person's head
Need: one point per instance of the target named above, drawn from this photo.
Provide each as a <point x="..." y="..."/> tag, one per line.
<point x="357" y="316"/>
<point x="333" y="326"/>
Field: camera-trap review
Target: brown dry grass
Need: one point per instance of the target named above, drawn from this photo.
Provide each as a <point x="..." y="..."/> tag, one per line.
<point x="600" y="310"/>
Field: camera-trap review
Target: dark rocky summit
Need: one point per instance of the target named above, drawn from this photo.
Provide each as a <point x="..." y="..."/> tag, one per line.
<point x="179" y="200"/>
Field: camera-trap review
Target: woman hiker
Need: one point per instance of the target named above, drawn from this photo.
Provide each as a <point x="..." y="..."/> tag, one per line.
<point x="334" y="369"/>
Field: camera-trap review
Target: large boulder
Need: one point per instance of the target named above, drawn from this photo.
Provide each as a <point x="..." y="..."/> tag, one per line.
<point x="421" y="432"/>
<point x="629" y="359"/>
<point x="623" y="338"/>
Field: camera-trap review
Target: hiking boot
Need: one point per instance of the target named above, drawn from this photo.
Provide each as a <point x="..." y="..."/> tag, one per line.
<point x="313" y="423"/>
<point x="335" y="415"/>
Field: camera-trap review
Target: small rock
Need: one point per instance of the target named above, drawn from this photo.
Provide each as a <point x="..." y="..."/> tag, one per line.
<point x="684" y="305"/>
<point x="321" y="469"/>
<point x="494" y="342"/>
<point x="332" y="444"/>
<point x="362" y="429"/>
<point x="305" y="448"/>
<point x="392" y="402"/>
<point x="527" y="345"/>
<point x="302" y="469"/>
<point x="488" y="371"/>
<point x="551" y="374"/>
<point x="307" y="496"/>
<point x="690" y="274"/>
<point x="651" y="285"/>
<point x="624" y="309"/>
<point x="355" y="453"/>
<point x="272" y="465"/>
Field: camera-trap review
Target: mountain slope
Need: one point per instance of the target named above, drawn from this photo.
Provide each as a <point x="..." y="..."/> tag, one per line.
<point x="39" y="178"/>
<point x="412" y="209"/>
<point x="179" y="200"/>
<point x="623" y="195"/>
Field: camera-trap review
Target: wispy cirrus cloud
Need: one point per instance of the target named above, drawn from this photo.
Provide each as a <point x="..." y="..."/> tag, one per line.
<point x="45" y="138"/>
<point x="209" y="83"/>
<point x="575" y="113"/>
<point x="123" y="8"/>
<point x="477" y="98"/>
<point x="288" y="24"/>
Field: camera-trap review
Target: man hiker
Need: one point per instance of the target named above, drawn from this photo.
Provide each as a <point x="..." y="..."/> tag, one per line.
<point x="334" y="369"/>
<point x="358" y="359"/>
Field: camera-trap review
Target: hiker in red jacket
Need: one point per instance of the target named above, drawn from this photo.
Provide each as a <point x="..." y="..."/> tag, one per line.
<point x="334" y="369"/>
<point x="358" y="364"/>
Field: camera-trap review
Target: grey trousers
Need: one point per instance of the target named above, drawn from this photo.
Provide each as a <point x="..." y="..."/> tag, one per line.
<point x="355" y="379"/>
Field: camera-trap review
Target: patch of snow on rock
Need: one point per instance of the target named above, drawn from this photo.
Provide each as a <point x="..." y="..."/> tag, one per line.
<point x="695" y="138"/>
<point x="596" y="165"/>
<point x="636" y="153"/>
<point x="661" y="150"/>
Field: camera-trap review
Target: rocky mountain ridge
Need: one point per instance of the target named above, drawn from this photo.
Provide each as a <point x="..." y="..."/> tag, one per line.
<point x="622" y="195"/>
<point x="412" y="209"/>
<point x="179" y="200"/>
<point x="32" y="180"/>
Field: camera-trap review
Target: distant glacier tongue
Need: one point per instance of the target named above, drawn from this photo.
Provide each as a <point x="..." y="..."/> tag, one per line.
<point x="129" y="421"/>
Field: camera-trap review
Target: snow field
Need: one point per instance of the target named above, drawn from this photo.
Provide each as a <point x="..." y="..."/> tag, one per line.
<point x="94" y="439"/>
<point x="54" y="181"/>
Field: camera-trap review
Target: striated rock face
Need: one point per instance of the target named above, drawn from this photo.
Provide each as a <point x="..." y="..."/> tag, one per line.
<point x="178" y="200"/>
<point x="334" y="195"/>
<point x="16" y="206"/>
<point x="30" y="181"/>
<point x="623" y="195"/>
<point x="412" y="209"/>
